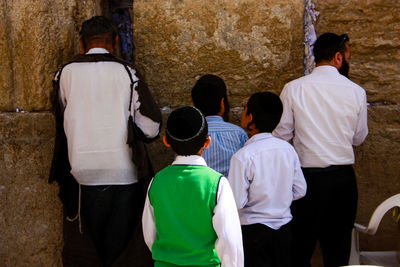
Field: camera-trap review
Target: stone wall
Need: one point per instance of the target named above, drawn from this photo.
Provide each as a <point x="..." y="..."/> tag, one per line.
<point x="253" y="44"/>
<point x="35" y="38"/>
<point x="374" y="31"/>
<point x="30" y="212"/>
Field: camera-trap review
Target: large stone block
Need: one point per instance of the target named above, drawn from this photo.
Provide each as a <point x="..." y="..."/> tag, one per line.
<point x="378" y="176"/>
<point x="30" y="211"/>
<point x="253" y="45"/>
<point x="35" y="38"/>
<point x="373" y="28"/>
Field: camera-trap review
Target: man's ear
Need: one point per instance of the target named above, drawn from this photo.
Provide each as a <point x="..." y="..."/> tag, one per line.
<point x="165" y="141"/>
<point x="338" y="60"/>
<point x="207" y="142"/>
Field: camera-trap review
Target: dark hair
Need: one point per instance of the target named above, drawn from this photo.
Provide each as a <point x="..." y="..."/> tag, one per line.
<point x="327" y="45"/>
<point x="207" y="94"/>
<point x="98" y="27"/>
<point x="186" y="130"/>
<point x="266" y="109"/>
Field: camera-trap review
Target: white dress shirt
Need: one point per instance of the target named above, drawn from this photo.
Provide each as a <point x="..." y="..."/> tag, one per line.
<point x="96" y="99"/>
<point x="226" y="223"/>
<point x="265" y="176"/>
<point x="325" y="114"/>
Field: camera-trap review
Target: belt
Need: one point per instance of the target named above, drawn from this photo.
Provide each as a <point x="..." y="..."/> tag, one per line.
<point x="331" y="168"/>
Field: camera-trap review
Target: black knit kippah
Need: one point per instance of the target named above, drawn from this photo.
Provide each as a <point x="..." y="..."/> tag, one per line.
<point x="96" y="25"/>
<point x="185" y="124"/>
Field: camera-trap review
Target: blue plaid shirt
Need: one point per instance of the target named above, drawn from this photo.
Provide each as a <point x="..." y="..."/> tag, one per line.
<point x="226" y="139"/>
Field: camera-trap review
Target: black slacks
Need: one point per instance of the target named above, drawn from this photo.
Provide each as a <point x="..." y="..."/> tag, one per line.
<point x="110" y="213"/>
<point x="266" y="247"/>
<point x="326" y="214"/>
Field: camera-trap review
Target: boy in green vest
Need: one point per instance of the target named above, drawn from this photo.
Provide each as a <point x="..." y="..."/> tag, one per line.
<point x="190" y="216"/>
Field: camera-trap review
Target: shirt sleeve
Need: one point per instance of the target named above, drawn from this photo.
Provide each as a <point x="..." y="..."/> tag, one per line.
<point x="60" y="94"/>
<point x="148" y="222"/>
<point x="299" y="183"/>
<point x="362" y="125"/>
<point x="285" y="128"/>
<point x="226" y="224"/>
<point x="238" y="180"/>
<point x="146" y="114"/>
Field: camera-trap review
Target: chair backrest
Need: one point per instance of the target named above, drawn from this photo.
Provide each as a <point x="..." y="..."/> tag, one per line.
<point x="381" y="210"/>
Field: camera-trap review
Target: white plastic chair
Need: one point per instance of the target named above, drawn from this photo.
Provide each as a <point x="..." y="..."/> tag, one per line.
<point x="383" y="258"/>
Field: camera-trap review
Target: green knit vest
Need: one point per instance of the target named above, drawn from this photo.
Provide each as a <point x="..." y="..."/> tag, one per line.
<point x="183" y="198"/>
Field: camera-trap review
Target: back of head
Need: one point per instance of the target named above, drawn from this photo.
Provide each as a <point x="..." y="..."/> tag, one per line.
<point x="207" y="94"/>
<point x="186" y="130"/>
<point x="327" y="45"/>
<point x="266" y="109"/>
<point x="98" y="28"/>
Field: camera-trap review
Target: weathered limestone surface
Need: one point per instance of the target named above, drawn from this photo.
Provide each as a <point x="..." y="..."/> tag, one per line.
<point x="35" y="38"/>
<point x="378" y="176"/>
<point x="253" y="45"/>
<point x="30" y="212"/>
<point x="373" y="28"/>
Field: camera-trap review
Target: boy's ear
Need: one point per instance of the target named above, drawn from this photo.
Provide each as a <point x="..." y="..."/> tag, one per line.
<point x="250" y="118"/>
<point x="207" y="142"/>
<point x="165" y="141"/>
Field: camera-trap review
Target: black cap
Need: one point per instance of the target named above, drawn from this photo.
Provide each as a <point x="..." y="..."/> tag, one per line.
<point x="95" y="26"/>
<point x="186" y="124"/>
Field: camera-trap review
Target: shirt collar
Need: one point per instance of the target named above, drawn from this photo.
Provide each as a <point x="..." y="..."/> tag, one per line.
<point x="258" y="137"/>
<point x="189" y="160"/>
<point x="98" y="50"/>
<point x="325" y="68"/>
<point x="214" y="118"/>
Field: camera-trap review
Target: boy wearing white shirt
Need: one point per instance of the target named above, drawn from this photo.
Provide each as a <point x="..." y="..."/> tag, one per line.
<point x="190" y="217"/>
<point x="265" y="176"/>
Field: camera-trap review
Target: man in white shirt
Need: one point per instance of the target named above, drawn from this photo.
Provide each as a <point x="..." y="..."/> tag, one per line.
<point x="325" y="114"/>
<point x="97" y="97"/>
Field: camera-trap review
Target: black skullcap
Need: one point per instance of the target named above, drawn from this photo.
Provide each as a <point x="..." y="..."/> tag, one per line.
<point x="185" y="124"/>
<point x="186" y="130"/>
<point x="95" y="26"/>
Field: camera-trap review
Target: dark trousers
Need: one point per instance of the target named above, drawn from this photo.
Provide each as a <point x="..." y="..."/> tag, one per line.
<point x="266" y="247"/>
<point x="110" y="213"/>
<point x="326" y="214"/>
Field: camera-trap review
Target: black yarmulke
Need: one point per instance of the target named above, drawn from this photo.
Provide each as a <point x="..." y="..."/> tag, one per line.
<point x="96" y="25"/>
<point x="185" y="123"/>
